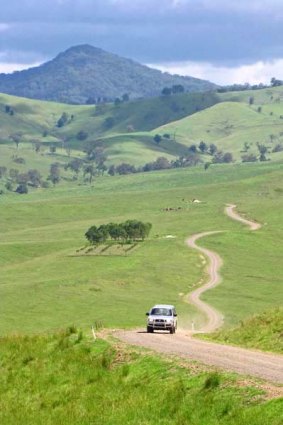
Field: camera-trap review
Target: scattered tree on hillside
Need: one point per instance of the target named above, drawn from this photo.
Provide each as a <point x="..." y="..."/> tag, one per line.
<point x="16" y="138"/>
<point x="262" y="150"/>
<point x="212" y="149"/>
<point x="22" y="189"/>
<point x="251" y="100"/>
<point x="278" y="148"/>
<point x="75" y="165"/>
<point x="207" y="165"/>
<point x="63" y="120"/>
<point x="108" y="123"/>
<point x="3" y="172"/>
<point x="192" y="149"/>
<point x="112" y="170"/>
<point x="34" y="178"/>
<point x="90" y="170"/>
<point x="125" y="168"/>
<point x="54" y="175"/>
<point x="157" y="138"/>
<point x="249" y="157"/>
<point x="220" y="157"/>
<point x="125" y="97"/>
<point x="203" y="147"/>
<point x="82" y="135"/>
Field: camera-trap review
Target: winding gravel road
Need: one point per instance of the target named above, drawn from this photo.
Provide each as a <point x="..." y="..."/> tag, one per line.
<point x="240" y="360"/>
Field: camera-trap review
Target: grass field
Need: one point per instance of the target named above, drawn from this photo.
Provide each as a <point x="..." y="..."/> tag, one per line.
<point x="262" y="331"/>
<point x="44" y="287"/>
<point x="68" y="379"/>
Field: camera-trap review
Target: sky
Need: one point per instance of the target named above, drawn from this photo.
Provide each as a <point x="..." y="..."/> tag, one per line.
<point x="224" y="41"/>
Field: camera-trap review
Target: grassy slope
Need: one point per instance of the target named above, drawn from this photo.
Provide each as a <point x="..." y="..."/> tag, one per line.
<point x="228" y="124"/>
<point x="263" y="331"/>
<point x="44" y="287"/>
<point x="65" y="378"/>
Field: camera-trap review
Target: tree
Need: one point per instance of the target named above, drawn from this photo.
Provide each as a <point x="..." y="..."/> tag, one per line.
<point x="202" y="147"/>
<point x="166" y="91"/>
<point x="262" y="150"/>
<point x="108" y="123"/>
<point x="22" y="189"/>
<point x="178" y="88"/>
<point x="3" y="172"/>
<point x="75" y="165"/>
<point x="34" y="177"/>
<point x="125" y="168"/>
<point x="212" y="149"/>
<point x="161" y="163"/>
<point x="97" y="235"/>
<point x="112" y="170"/>
<point x="207" y="165"/>
<point x="157" y="138"/>
<point x="193" y="149"/>
<point x="62" y="120"/>
<point x="16" y="138"/>
<point x="82" y="135"/>
<point x="54" y="175"/>
<point x="251" y="100"/>
<point x="52" y="149"/>
<point x="91" y="171"/>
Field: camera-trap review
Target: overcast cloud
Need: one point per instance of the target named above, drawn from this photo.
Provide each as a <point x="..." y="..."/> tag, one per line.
<point x="224" y="41"/>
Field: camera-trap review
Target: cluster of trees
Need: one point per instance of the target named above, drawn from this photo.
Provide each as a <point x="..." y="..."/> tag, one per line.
<point x="176" y="88"/>
<point x="274" y="82"/>
<point x="64" y="119"/>
<point x="130" y="230"/>
<point x="262" y="151"/>
<point x="21" y="181"/>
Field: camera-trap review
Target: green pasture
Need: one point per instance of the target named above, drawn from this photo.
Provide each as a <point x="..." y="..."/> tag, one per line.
<point x="67" y="378"/>
<point x="43" y="286"/>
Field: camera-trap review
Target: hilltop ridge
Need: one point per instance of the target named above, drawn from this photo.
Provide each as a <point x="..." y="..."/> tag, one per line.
<point x="85" y="73"/>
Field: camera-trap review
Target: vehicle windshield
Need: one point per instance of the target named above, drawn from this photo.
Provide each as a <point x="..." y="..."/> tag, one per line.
<point x="161" y="312"/>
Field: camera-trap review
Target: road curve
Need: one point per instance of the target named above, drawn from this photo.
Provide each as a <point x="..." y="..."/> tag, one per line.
<point x="214" y="317"/>
<point x="230" y="211"/>
<point x="250" y="362"/>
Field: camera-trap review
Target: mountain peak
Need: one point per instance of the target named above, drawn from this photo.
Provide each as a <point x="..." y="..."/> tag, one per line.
<point x="84" y="71"/>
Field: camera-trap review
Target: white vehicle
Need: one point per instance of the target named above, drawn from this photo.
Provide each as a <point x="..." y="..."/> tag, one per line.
<point x="162" y="317"/>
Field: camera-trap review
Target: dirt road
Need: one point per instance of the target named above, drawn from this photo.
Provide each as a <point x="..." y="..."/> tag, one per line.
<point x="250" y="362"/>
<point x="214" y="317"/>
<point x="240" y="360"/>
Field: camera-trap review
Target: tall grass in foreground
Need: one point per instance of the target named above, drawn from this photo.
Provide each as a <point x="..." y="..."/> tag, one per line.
<point x="263" y="331"/>
<point x="66" y="379"/>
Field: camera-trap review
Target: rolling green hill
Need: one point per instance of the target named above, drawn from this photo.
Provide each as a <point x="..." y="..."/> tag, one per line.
<point x="84" y="72"/>
<point x="227" y="120"/>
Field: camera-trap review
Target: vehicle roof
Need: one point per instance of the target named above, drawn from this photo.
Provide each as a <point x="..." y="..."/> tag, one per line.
<point x="163" y="306"/>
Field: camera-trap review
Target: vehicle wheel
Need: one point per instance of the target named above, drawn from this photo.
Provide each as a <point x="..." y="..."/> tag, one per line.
<point x="172" y="330"/>
<point x="149" y="330"/>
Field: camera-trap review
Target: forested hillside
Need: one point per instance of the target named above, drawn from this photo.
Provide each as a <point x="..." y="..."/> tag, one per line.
<point x="88" y="74"/>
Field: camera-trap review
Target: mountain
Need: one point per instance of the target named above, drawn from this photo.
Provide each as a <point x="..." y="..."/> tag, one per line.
<point x="84" y="73"/>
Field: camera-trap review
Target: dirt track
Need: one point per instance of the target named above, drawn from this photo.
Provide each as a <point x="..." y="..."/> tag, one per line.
<point x="250" y="362"/>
